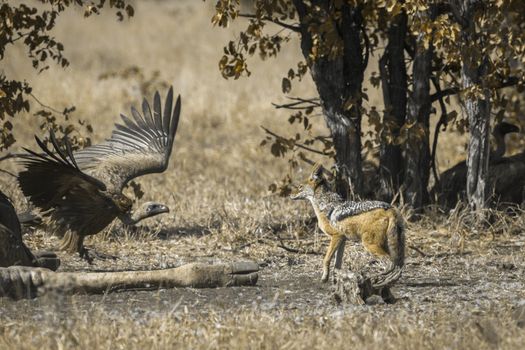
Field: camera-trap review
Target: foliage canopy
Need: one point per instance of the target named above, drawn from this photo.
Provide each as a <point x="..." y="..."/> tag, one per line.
<point x="425" y="48"/>
<point x="31" y="26"/>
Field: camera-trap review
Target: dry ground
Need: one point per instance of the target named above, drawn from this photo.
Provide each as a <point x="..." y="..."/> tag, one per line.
<point x="463" y="287"/>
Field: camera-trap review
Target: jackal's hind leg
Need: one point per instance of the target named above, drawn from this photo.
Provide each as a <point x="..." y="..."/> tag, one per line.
<point x="381" y="259"/>
<point x="339" y="254"/>
<point x="376" y="249"/>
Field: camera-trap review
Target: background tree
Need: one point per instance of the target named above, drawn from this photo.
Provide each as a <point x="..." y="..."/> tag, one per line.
<point x="31" y="25"/>
<point x="394" y="83"/>
<point x="433" y="50"/>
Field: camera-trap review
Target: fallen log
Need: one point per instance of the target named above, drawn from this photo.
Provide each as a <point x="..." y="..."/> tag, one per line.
<point x="19" y="282"/>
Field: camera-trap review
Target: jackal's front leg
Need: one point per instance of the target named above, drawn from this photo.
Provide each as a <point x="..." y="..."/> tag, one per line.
<point x="335" y="243"/>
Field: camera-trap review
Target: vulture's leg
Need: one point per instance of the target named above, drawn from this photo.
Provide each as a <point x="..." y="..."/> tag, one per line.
<point x="74" y="243"/>
<point x="92" y="254"/>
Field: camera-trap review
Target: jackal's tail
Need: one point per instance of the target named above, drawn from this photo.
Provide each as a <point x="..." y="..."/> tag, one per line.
<point x="395" y="236"/>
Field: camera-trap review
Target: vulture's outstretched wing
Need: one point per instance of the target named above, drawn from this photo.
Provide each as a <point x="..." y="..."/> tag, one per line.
<point x="139" y="146"/>
<point x="54" y="183"/>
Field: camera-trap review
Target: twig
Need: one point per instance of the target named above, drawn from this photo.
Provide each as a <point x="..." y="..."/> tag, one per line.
<point x="13" y="155"/>
<point x="298" y="103"/>
<point x="273" y="20"/>
<point x="366" y="39"/>
<point x="511" y="81"/>
<point x="441" y="122"/>
<point x="44" y="105"/>
<point x="299" y="251"/>
<point x="418" y="250"/>
<point x="295" y="250"/>
<point x="20" y="37"/>
<point x="313" y="100"/>
<point x="8" y="173"/>
<point x="295" y="143"/>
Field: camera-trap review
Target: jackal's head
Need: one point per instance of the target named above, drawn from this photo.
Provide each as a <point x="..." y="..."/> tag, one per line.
<point x="307" y="189"/>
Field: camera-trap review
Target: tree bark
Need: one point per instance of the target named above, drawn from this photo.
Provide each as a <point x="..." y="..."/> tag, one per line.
<point x="476" y="105"/>
<point x="478" y="114"/>
<point x="417" y="150"/>
<point x="394" y="84"/>
<point x="338" y="81"/>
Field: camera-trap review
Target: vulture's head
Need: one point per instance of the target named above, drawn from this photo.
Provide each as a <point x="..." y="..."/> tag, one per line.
<point x="152" y="209"/>
<point x="148" y="210"/>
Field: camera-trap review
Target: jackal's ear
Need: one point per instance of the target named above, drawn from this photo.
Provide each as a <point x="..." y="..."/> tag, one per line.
<point x="317" y="171"/>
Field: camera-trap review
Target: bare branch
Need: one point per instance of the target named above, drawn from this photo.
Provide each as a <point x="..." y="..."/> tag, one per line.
<point x="418" y="250"/>
<point x="273" y="20"/>
<point x="23" y="35"/>
<point x="8" y="173"/>
<point x="295" y="143"/>
<point x="441" y="122"/>
<point x="45" y="106"/>
<point x="13" y="155"/>
<point x="510" y="81"/>
<point x="299" y="103"/>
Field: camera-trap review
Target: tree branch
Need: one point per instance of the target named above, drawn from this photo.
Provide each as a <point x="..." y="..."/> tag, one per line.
<point x="273" y="20"/>
<point x="13" y="155"/>
<point x="510" y="81"/>
<point x="8" y="173"/>
<point x="44" y="105"/>
<point x="441" y="122"/>
<point x="19" y="37"/>
<point x="314" y="103"/>
<point x="313" y="150"/>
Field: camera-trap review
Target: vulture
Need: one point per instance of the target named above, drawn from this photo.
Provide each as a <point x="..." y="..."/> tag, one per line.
<point x="13" y="251"/>
<point x="453" y="182"/>
<point x="80" y="193"/>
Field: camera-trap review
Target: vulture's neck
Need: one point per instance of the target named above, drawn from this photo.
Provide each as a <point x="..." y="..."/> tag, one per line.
<point x="133" y="218"/>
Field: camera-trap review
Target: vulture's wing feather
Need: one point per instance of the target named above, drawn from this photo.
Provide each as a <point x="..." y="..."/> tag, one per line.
<point x="13" y="251"/>
<point x="55" y="184"/>
<point x="139" y="145"/>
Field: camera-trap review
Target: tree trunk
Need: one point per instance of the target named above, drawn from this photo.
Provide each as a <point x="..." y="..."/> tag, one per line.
<point x="476" y="106"/>
<point x="338" y="81"/>
<point x="394" y="83"/>
<point x="417" y="151"/>
<point x="478" y="114"/>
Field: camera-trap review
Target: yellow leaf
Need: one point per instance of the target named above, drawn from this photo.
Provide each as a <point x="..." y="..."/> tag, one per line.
<point x="216" y="18"/>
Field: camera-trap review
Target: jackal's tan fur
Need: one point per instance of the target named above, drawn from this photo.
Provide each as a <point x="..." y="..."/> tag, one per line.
<point x="378" y="225"/>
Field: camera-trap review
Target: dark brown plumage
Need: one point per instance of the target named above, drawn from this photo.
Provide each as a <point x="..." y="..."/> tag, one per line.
<point x="80" y="193"/>
<point x="13" y="251"/>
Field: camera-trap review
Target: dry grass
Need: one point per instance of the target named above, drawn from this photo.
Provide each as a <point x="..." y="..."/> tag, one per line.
<point x="277" y="330"/>
<point x="460" y="288"/>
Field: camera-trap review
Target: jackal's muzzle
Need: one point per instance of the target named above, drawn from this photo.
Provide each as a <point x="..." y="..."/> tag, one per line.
<point x="298" y="193"/>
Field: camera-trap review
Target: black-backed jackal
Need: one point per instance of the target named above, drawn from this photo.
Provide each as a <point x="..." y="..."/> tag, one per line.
<point x="378" y="225"/>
